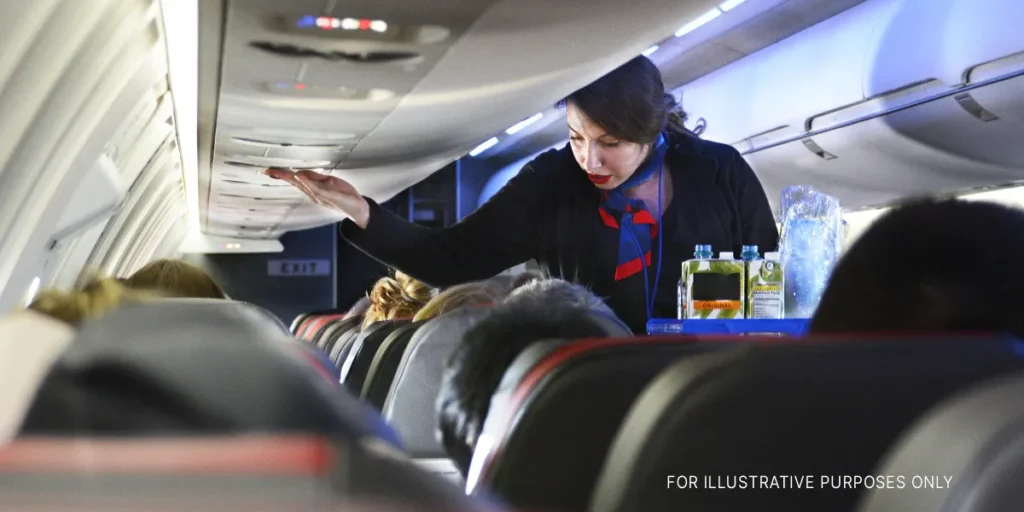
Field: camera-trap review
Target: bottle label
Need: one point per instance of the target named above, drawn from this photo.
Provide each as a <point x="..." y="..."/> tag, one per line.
<point x="704" y="305"/>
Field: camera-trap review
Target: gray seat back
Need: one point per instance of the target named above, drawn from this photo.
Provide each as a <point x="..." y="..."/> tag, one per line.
<point x="970" y="448"/>
<point x="409" y="408"/>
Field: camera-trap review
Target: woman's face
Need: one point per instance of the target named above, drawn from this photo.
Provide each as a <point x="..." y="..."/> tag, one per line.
<point x="607" y="160"/>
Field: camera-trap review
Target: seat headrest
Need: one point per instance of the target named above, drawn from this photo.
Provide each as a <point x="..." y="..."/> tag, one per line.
<point x="584" y="388"/>
<point x="187" y="366"/>
<point x="30" y="342"/>
<point x="793" y="407"/>
<point x="229" y="473"/>
<point x="969" y="448"/>
<point x="612" y="325"/>
<point x="243" y="317"/>
<point x="410" y="404"/>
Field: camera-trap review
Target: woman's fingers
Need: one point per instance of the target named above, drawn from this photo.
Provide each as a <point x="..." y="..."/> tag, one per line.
<point x="291" y="178"/>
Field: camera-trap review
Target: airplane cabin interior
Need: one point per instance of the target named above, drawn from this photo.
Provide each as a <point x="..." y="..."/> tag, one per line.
<point x="181" y="330"/>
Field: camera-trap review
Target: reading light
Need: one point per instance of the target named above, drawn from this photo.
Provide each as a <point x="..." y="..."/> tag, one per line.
<point x="516" y="128"/>
<point x="484" y="147"/>
<point x="697" y="23"/>
<point x="649" y="51"/>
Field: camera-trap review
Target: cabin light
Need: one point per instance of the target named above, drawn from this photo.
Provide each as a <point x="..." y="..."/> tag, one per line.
<point x="728" y="5"/>
<point x="484" y="147"/>
<point x="700" y="21"/>
<point x="649" y="51"/>
<point x="33" y="290"/>
<point x="516" y="128"/>
<point x="330" y="23"/>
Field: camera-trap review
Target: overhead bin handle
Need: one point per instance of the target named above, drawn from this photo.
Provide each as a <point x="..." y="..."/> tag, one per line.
<point x="971" y="105"/>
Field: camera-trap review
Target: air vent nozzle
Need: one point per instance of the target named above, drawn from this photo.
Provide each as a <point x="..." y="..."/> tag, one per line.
<point x="302" y="52"/>
<point x="281" y="144"/>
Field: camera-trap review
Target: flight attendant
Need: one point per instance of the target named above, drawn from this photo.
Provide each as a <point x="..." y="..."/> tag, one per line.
<point x="618" y="209"/>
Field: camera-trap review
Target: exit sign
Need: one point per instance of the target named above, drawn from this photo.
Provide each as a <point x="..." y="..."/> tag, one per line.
<point x="298" y="268"/>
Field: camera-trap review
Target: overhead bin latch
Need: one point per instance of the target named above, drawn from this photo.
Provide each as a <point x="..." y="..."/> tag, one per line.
<point x="971" y="105"/>
<point x="816" y="149"/>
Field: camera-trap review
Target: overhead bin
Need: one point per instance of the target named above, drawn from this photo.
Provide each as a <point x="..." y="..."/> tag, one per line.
<point x="889" y="99"/>
<point x="95" y="200"/>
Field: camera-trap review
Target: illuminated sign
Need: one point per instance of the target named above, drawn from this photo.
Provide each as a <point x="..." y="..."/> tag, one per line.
<point x="329" y="23"/>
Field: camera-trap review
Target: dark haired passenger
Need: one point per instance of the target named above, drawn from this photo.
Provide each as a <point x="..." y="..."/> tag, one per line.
<point x="475" y="368"/>
<point x="616" y="209"/>
<point x="931" y="266"/>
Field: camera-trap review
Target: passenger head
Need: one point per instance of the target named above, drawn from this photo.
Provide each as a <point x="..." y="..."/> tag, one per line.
<point x="935" y="266"/>
<point x="555" y="291"/>
<point x="98" y="297"/>
<point x="614" y="121"/>
<point x="397" y="297"/>
<point x="175" y="278"/>
<point x="526" y="277"/>
<point x="468" y="294"/>
<point x="475" y="368"/>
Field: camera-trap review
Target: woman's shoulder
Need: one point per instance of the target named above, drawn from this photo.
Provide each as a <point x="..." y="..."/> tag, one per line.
<point x="692" y="144"/>
<point x="553" y="168"/>
<point x="728" y="163"/>
<point x="554" y="160"/>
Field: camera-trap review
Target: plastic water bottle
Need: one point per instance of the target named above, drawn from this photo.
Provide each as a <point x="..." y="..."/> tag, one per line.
<point x="807" y="262"/>
<point x="750" y="253"/>
<point x="700" y="252"/>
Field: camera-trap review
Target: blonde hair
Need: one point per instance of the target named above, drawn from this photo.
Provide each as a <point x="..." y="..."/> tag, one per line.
<point x="480" y="292"/>
<point x="396" y="297"/>
<point x="176" y="278"/>
<point x="98" y="297"/>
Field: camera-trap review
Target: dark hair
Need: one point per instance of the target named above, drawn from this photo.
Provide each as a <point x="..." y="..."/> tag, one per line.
<point x="931" y="266"/>
<point x="475" y="368"/>
<point x="630" y="103"/>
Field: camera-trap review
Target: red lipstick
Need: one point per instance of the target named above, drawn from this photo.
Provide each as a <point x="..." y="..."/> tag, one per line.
<point x="597" y="179"/>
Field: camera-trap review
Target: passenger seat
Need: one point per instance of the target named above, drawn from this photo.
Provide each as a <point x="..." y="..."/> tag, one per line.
<point x="385" y="364"/>
<point x="969" y="447"/>
<point x="357" y="364"/>
<point x="409" y="407"/>
<point x="187" y="366"/>
<point x="812" y="406"/>
<point x="554" y="392"/>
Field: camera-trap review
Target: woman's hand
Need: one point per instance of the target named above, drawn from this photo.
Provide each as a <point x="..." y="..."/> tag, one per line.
<point x="329" y="191"/>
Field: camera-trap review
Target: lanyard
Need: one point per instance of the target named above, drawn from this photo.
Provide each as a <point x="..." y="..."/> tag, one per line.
<point x="649" y="295"/>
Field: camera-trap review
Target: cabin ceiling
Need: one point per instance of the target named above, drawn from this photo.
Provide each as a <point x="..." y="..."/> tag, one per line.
<point x="748" y="28"/>
<point x="460" y="72"/>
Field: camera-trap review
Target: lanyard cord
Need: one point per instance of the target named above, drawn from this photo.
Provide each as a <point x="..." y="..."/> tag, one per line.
<point x="649" y="296"/>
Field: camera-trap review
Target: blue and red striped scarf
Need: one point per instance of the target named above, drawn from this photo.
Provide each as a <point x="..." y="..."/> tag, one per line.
<point x="636" y="225"/>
